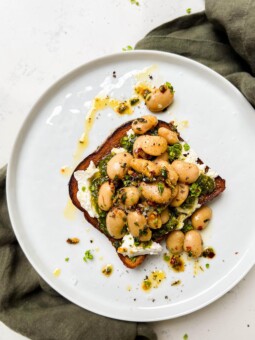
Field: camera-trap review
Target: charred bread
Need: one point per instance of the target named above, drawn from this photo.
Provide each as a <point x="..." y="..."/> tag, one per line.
<point x="117" y="139"/>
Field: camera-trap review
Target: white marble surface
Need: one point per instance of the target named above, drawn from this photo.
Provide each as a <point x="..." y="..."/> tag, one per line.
<point x="42" y="40"/>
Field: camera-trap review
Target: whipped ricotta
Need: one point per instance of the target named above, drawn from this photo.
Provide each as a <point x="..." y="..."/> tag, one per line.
<point x="83" y="195"/>
<point x="128" y="247"/>
<point x="118" y="150"/>
<point x="130" y="132"/>
<point x="191" y="156"/>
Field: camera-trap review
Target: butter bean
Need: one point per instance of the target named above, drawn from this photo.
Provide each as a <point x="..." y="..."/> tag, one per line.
<point x="145" y="235"/>
<point x="136" y="223"/>
<point x="170" y="136"/>
<point x="182" y="194"/>
<point x="118" y="165"/>
<point x="193" y="243"/>
<point x="153" y="145"/>
<point x="115" y="223"/>
<point x="188" y="172"/>
<point x="154" y="220"/>
<point x="137" y="148"/>
<point x="105" y="194"/>
<point x="159" y="99"/>
<point x="144" y="124"/>
<point x="145" y="167"/>
<point x="129" y="196"/>
<point x="174" y="242"/>
<point x="163" y="157"/>
<point x="201" y="218"/>
<point x="165" y="215"/>
<point x="152" y="193"/>
<point x="172" y="176"/>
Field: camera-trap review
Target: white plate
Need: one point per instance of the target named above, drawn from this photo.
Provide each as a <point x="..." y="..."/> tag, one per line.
<point x="221" y="130"/>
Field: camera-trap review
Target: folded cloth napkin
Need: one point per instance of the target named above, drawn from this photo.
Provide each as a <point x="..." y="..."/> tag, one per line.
<point x="222" y="38"/>
<point x="29" y="306"/>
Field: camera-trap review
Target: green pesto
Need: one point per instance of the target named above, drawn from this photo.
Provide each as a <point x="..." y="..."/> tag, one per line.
<point x="203" y="185"/>
<point x="187" y="227"/>
<point x="189" y="202"/>
<point x="95" y="184"/>
<point x="127" y="142"/>
<point x="166" y="228"/>
<point x="174" y="151"/>
<point x="206" y="183"/>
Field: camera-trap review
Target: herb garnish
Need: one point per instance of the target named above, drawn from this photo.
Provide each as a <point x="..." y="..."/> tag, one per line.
<point x="161" y="188"/>
<point x="170" y="86"/>
<point x="186" y="147"/>
<point x="87" y="256"/>
<point x="174" y="152"/>
<point x="203" y="185"/>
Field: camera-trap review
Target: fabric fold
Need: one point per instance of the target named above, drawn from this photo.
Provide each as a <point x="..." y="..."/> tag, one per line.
<point x="222" y="38"/>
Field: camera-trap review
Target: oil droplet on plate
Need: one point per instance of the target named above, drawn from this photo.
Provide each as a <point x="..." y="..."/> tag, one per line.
<point x="66" y="170"/>
<point x="129" y="288"/>
<point x="197" y="267"/>
<point x="144" y="74"/>
<point x="153" y="280"/>
<point x="176" y="263"/>
<point x="57" y="272"/>
<point x="107" y="270"/>
<point x="176" y="283"/>
<point x="70" y="210"/>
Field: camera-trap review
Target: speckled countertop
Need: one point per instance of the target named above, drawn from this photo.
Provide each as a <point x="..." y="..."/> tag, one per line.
<point x="42" y="40"/>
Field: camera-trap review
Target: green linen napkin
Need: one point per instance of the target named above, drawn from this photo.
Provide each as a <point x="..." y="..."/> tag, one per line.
<point x="222" y="38"/>
<point x="31" y="307"/>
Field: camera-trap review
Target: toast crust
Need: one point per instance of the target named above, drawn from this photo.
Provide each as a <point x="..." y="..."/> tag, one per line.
<point x="113" y="141"/>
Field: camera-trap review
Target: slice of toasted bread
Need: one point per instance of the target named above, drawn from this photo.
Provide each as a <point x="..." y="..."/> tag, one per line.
<point x="113" y="141"/>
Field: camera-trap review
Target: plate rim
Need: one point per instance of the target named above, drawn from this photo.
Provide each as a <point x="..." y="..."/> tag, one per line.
<point x="15" y="149"/>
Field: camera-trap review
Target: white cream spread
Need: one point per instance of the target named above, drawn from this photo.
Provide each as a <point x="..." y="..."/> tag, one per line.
<point x="118" y="150"/>
<point x="190" y="156"/>
<point x="212" y="173"/>
<point x="83" y="195"/>
<point x="128" y="247"/>
<point x="130" y="132"/>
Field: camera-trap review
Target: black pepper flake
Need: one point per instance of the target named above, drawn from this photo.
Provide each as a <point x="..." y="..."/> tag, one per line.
<point x="134" y="299"/>
<point x="114" y="74"/>
<point x="166" y="297"/>
<point x="248" y="325"/>
<point x="150" y="76"/>
<point x="91" y="241"/>
<point x="153" y="300"/>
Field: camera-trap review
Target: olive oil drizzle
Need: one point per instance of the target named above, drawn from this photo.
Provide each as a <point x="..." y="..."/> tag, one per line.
<point x="153" y="280"/>
<point x="97" y="105"/>
<point x="70" y="210"/>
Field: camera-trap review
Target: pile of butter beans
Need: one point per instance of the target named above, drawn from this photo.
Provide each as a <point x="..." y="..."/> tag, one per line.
<point x="124" y="206"/>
